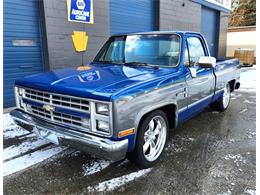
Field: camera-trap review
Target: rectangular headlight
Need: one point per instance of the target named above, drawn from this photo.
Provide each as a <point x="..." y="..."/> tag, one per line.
<point x="18" y="96"/>
<point x="102" y="109"/>
<point x="20" y="91"/>
<point x="102" y="126"/>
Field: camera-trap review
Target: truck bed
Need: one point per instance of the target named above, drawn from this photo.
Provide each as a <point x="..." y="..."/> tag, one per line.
<point x="226" y="70"/>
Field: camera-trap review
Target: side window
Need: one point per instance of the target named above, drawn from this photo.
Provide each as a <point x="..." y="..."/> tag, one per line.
<point x="195" y="49"/>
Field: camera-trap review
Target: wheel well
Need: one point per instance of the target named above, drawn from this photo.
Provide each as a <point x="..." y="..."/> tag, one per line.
<point x="169" y="110"/>
<point x="232" y="85"/>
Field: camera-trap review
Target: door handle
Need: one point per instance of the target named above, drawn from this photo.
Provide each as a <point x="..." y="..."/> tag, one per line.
<point x="25" y="66"/>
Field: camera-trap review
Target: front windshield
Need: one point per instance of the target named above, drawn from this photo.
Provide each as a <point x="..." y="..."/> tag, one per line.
<point x="161" y="50"/>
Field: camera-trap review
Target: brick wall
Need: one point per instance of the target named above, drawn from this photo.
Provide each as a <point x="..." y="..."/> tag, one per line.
<point x="61" y="52"/>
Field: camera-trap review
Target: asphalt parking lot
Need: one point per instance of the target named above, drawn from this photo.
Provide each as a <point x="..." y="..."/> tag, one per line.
<point x="213" y="153"/>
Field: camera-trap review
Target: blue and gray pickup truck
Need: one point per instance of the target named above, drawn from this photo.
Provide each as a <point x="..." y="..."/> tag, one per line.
<point x="138" y="88"/>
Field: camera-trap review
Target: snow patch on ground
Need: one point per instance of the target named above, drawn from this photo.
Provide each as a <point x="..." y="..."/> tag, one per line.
<point x="174" y="147"/>
<point x="125" y="162"/>
<point x="76" y="153"/>
<point x="18" y="157"/>
<point x="187" y="139"/>
<point x="250" y="191"/>
<point x="231" y="141"/>
<point x="251" y="134"/>
<point x="249" y="102"/>
<point x="191" y="139"/>
<point x="248" y="79"/>
<point x="95" y="166"/>
<point x="235" y="96"/>
<point x="28" y="160"/>
<point x="24" y="147"/>
<point x="8" y="122"/>
<point x="15" y="132"/>
<point x="242" y="111"/>
<point x="11" y="130"/>
<point x="178" y="147"/>
<point x="117" y="182"/>
<point x="236" y="158"/>
<point x="226" y="193"/>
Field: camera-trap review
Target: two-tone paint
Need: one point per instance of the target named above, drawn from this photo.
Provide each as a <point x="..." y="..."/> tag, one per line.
<point x="136" y="91"/>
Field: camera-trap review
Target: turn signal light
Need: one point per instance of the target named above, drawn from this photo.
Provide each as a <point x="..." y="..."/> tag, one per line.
<point x="125" y="132"/>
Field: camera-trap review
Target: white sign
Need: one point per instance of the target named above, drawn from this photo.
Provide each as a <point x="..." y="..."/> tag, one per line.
<point x="222" y="3"/>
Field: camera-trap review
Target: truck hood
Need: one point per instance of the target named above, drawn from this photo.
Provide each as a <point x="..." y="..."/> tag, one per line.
<point x="97" y="81"/>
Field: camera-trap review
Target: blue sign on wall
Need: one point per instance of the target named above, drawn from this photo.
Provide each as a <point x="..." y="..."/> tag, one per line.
<point x="80" y="11"/>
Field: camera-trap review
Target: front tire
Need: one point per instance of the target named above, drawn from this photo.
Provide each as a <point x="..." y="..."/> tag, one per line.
<point x="223" y="103"/>
<point x="151" y="140"/>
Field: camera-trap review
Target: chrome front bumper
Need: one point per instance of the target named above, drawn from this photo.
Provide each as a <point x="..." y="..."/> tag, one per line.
<point x="96" y="146"/>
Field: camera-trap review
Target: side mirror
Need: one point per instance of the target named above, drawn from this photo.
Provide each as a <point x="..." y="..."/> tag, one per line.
<point x="207" y="62"/>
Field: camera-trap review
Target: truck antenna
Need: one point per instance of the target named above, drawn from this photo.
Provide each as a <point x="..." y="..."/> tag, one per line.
<point x="82" y="57"/>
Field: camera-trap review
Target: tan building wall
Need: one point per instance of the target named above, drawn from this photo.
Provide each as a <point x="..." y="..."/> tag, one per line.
<point x="242" y="37"/>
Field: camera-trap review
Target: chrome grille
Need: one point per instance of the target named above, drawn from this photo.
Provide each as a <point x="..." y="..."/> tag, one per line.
<point x="58" y="117"/>
<point x="39" y="111"/>
<point x="75" y="103"/>
<point x="37" y="95"/>
<point x="63" y="101"/>
<point x="61" y="109"/>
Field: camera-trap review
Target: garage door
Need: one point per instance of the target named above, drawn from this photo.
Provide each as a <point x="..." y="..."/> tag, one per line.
<point x="132" y="16"/>
<point x="22" y="43"/>
<point x="210" y="28"/>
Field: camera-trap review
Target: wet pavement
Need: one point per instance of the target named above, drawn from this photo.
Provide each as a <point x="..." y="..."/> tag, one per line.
<point x="213" y="153"/>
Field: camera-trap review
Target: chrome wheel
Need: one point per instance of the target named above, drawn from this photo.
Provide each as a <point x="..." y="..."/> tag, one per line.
<point x="226" y="96"/>
<point x="154" y="138"/>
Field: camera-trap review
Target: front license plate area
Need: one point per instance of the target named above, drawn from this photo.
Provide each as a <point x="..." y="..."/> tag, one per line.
<point x="48" y="135"/>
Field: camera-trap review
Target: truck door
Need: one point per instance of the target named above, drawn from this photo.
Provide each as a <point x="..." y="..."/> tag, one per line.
<point x="201" y="81"/>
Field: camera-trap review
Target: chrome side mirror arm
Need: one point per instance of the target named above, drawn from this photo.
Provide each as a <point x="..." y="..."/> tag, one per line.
<point x="193" y="72"/>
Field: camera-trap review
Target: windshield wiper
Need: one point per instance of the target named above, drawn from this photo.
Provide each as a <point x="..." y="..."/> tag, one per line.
<point x="140" y="64"/>
<point x="103" y="62"/>
<point x="126" y="63"/>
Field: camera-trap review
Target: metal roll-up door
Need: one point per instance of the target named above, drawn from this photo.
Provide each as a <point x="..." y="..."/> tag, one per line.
<point x="22" y="54"/>
<point x="132" y="16"/>
<point x="210" y="28"/>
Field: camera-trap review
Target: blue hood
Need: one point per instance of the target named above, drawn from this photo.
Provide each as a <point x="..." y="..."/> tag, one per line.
<point x="100" y="81"/>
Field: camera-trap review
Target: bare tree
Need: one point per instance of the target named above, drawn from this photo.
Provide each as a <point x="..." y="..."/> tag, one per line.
<point x="243" y="13"/>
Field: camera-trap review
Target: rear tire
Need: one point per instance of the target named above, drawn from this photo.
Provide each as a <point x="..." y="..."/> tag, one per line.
<point x="223" y="103"/>
<point x="151" y="139"/>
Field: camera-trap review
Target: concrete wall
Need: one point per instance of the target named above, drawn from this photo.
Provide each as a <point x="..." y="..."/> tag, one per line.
<point x="247" y="40"/>
<point x="222" y="41"/>
<point x="61" y="52"/>
<point x="173" y="15"/>
<point x="186" y="15"/>
<point x="179" y="15"/>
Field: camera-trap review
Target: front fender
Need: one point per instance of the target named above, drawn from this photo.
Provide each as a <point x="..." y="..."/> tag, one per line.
<point x="157" y="106"/>
<point x="129" y="111"/>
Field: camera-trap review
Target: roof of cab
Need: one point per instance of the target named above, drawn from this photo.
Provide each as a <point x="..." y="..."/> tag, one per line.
<point x="157" y="32"/>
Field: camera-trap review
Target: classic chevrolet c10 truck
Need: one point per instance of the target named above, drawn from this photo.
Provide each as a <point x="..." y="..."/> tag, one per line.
<point x="137" y="90"/>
